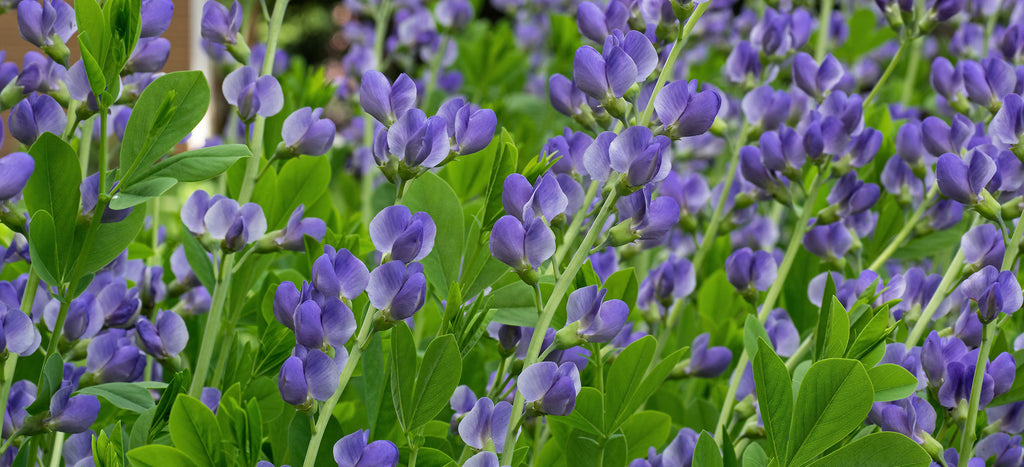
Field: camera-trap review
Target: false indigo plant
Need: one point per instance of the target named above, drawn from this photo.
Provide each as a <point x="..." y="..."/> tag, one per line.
<point x="516" y="232"/>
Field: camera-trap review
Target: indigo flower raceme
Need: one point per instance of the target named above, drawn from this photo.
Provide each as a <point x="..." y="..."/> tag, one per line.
<point x="252" y="94"/>
<point x="589" y="318"/>
<point x="354" y="450"/>
<point x="625" y="59"/>
<point x="48" y="26"/>
<point x="749" y="270"/>
<point x="15" y="170"/>
<point x="635" y="153"/>
<point x="223" y="219"/>
<point x="522" y="246"/>
<point x="816" y="80"/>
<point x="83" y="321"/>
<point x="994" y="291"/>
<point x="670" y="281"/>
<point x="596" y="23"/>
<point x="306" y="376"/>
<point x="221" y="25"/>
<point x="470" y="128"/>
<point x="549" y="388"/>
<point x="765" y="108"/>
<point x="398" y="234"/>
<point x="525" y="201"/>
<point x="705" y="361"/>
<point x="397" y="290"/>
<point x="113" y="357"/>
<point x="1007" y="125"/>
<point x="338" y="273"/>
<point x="292" y="237"/>
<point x="983" y="246"/>
<point x="412" y="145"/>
<point x="685" y="112"/>
<point x="486" y="421"/>
<point x="156" y="17"/>
<point x="304" y="132"/>
<point x="72" y="414"/>
<point x="961" y="180"/>
<point x="35" y="115"/>
<point x="164" y="338"/>
<point x="384" y="101"/>
<point x="830" y="241"/>
<point x="23" y="393"/>
<point x="1006" y="449"/>
<point x="914" y="417"/>
<point x="17" y="332"/>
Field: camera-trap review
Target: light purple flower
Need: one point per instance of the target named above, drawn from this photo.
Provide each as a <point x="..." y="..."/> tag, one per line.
<point x="355" y="450"/>
<point x="624" y="60"/>
<point x="304" y="132"/>
<point x="550" y="388"/>
<point x="46" y="24"/>
<point x="35" y="115"/>
<point x="705" y="361"/>
<point x="520" y="245"/>
<point x="396" y="289"/>
<point x="252" y="94"/>
<point x="221" y="25"/>
<point x="962" y="181"/>
<point x="338" y="273"/>
<point x="307" y="376"/>
<point x="470" y="128"/>
<point x="384" y="101"/>
<point x="486" y="421"/>
<point x="684" y="112"/>
<point x="72" y="414"/>
<point x="398" y="234"/>
<point x="747" y="269"/>
<point x="166" y="337"/>
<point x="15" y="170"/>
<point x="599" y="320"/>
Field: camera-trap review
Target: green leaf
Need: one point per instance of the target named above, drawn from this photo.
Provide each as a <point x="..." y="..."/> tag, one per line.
<point x="195" y="431"/>
<point x="891" y="382"/>
<point x="706" y="453"/>
<point x="883" y="449"/>
<point x="833" y="332"/>
<point x="651" y="382"/>
<point x="623" y="379"/>
<point x="436" y="379"/>
<point x="403" y="372"/>
<point x="141" y="192"/>
<point x="178" y="385"/>
<point x="54" y="187"/>
<point x="430" y="457"/>
<point x="198" y="260"/>
<point x="129" y="396"/>
<point x="111" y="240"/>
<point x="775" y="397"/>
<point x="42" y="245"/>
<point x="835" y="397"/>
<point x="53" y="375"/>
<point x="302" y="181"/>
<point x="754" y="456"/>
<point x="431" y="194"/>
<point x="753" y="329"/>
<point x="506" y="160"/>
<point x="170" y="107"/>
<point x="644" y="430"/>
<point x="623" y="285"/>
<point x="872" y="336"/>
<point x="158" y="455"/>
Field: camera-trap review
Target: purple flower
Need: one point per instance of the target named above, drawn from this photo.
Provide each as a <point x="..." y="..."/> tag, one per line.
<point x="72" y="414"/>
<point x="221" y="25"/>
<point x="396" y="289"/>
<point x="353" y="451"/>
<point x="830" y="241"/>
<point x="15" y="170"/>
<point x="453" y="14"/>
<point x="292" y="237"/>
<point x="1008" y="124"/>
<point x="624" y="60"/>
<point x="1004" y="448"/>
<point x="316" y="326"/>
<point x="914" y="417"/>
<point x="46" y="24"/>
<point x="304" y="132"/>
<point x="684" y="112"/>
<point x="164" y="339"/>
<point x="486" y="421"/>
<point x="483" y="459"/>
<point x="112" y="357"/>
<point x="398" y="234"/>
<point x="995" y="292"/>
<point x="339" y="274"/>
<point x="17" y="332"/>
<point x="816" y="81"/>
<point x="754" y="171"/>
<point x="463" y="400"/>
<point x="384" y="101"/>
<point x="150" y="55"/>
<point x="252" y="94"/>
<point x="644" y="219"/>
<point x="469" y="127"/>
<point x="778" y="33"/>
<point x="223" y="219"/>
<point x="690" y="191"/>
<point x="89" y="191"/>
<point x="635" y="153"/>
<point x="549" y="388"/>
<point x="672" y="280"/>
<point x="849" y="196"/>
<point x="963" y="181"/>
<point x="39" y="73"/>
<point x="414" y="143"/>
<point x="1012" y="43"/>
<point x="1009" y="417"/>
<point x="23" y="394"/>
<point x="520" y="245"/>
<point x="940" y="138"/>
<point x="83" y="321"/>
<point x="565" y="96"/>
<point x="987" y="82"/>
<point x="35" y="115"/>
<point x="599" y="321"/>
<point x="766" y="108"/>
<point x="525" y="201"/>
<point x="596" y="23"/>
<point x="983" y="246"/>
<point x="707" y="362"/>
<point x="306" y="376"/>
<point x="259" y="52"/>
<point x="210" y="397"/>
<point x="156" y="17"/>
<point x="679" y="452"/>
<point x="743" y="65"/>
<point x="750" y="270"/>
<point x="567" y="150"/>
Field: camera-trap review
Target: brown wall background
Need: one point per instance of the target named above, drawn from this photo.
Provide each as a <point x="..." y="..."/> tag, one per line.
<point x="10" y="40"/>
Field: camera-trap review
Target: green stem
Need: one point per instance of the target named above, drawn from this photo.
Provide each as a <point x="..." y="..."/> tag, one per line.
<point x="84" y="144"/>
<point x="902" y="235"/>
<point x="910" y="78"/>
<point x="988" y="335"/>
<point x="577" y="221"/>
<point x="213" y="321"/>
<point x="990" y="24"/>
<point x="561" y="287"/>
<point x="435" y="68"/>
<point x="888" y="72"/>
<point x="794" y="359"/>
<point x="670" y="61"/>
<point x="252" y="165"/>
<point x="711" y="232"/>
<point x="366" y="183"/>
<point x="795" y="240"/>
<point x="670" y="322"/>
<point x="595" y="350"/>
<point x="824" y="16"/>
<point x="327" y="410"/>
<point x="58" y="444"/>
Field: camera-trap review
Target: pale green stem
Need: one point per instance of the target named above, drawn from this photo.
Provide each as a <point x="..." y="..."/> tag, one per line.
<point x="84" y="145"/>
<point x="366" y="183"/>
<point x="435" y="69"/>
<point x="795" y="240"/>
<point x="888" y="72"/>
<point x="58" y="444"/>
<point x="670" y="61"/>
<point x="909" y="79"/>
<point x="577" y="221"/>
<point x="711" y="232"/>
<point x="561" y="287"/>
<point x="213" y="321"/>
<point x="902" y="235"/>
<point x="824" y="21"/>
<point x="327" y="410"/>
<point x="990" y="24"/>
<point x="252" y="165"/>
